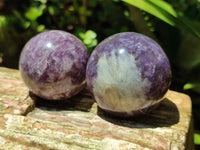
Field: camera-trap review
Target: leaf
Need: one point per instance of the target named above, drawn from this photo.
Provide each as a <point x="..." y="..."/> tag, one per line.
<point x="197" y="138"/>
<point x="33" y="13"/>
<point x="153" y="9"/>
<point x="87" y="41"/>
<point x="26" y="24"/>
<point x="188" y="86"/>
<point x="89" y="38"/>
<point x="2" y="20"/>
<point x="193" y="86"/>
<point x="90" y="34"/>
<point x="41" y="1"/>
<point x="165" y="12"/>
<point x="40" y="28"/>
<point x="81" y="35"/>
<point x="53" y="10"/>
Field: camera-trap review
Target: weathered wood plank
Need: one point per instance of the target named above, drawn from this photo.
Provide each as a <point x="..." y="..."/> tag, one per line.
<point x="78" y="123"/>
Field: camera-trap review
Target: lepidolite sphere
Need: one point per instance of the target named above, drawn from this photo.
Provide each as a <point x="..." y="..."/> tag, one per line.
<point x="53" y="65"/>
<point x="128" y="74"/>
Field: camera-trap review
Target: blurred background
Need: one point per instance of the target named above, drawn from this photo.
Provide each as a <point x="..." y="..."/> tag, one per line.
<point x="174" y="24"/>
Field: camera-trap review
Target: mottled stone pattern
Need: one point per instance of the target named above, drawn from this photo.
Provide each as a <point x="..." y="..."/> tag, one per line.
<point x="53" y="64"/>
<point x="128" y="69"/>
<point x="78" y="124"/>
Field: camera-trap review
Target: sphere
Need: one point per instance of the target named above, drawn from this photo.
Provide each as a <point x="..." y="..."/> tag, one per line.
<point x="53" y="64"/>
<point x="128" y="74"/>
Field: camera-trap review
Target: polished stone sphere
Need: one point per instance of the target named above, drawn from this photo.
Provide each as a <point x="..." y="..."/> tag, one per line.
<point x="53" y="65"/>
<point x="128" y="74"/>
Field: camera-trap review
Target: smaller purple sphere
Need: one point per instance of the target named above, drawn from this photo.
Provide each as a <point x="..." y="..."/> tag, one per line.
<point x="128" y="74"/>
<point x="53" y="63"/>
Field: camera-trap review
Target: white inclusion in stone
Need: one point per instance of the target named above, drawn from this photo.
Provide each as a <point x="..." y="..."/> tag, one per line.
<point x="119" y="83"/>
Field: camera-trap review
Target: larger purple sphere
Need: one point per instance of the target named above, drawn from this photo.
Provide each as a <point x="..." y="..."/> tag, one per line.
<point x="128" y="74"/>
<point x="53" y="64"/>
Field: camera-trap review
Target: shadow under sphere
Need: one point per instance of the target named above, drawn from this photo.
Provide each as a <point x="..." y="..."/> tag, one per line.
<point x="80" y="102"/>
<point x="165" y="115"/>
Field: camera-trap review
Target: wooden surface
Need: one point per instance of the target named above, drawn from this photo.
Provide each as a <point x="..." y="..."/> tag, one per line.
<point x="28" y="122"/>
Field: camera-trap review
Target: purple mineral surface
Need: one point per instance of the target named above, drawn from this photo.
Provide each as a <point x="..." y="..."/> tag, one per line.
<point x="53" y="65"/>
<point x="128" y="74"/>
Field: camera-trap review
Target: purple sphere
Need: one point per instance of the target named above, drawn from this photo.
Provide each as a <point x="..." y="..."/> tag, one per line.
<point x="128" y="74"/>
<point x="53" y="65"/>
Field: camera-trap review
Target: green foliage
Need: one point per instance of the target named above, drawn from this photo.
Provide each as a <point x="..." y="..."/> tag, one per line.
<point x="89" y="39"/>
<point x="158" y="8"/>
<point x="165" y="11"/>
<point x="2" y="20"/>
<point x="2" y="23"/>
<point x="33" y="13"/>
<point x="197" y="138"/>
<point x="40" y="28"/>
<point x="193" y="86"/>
